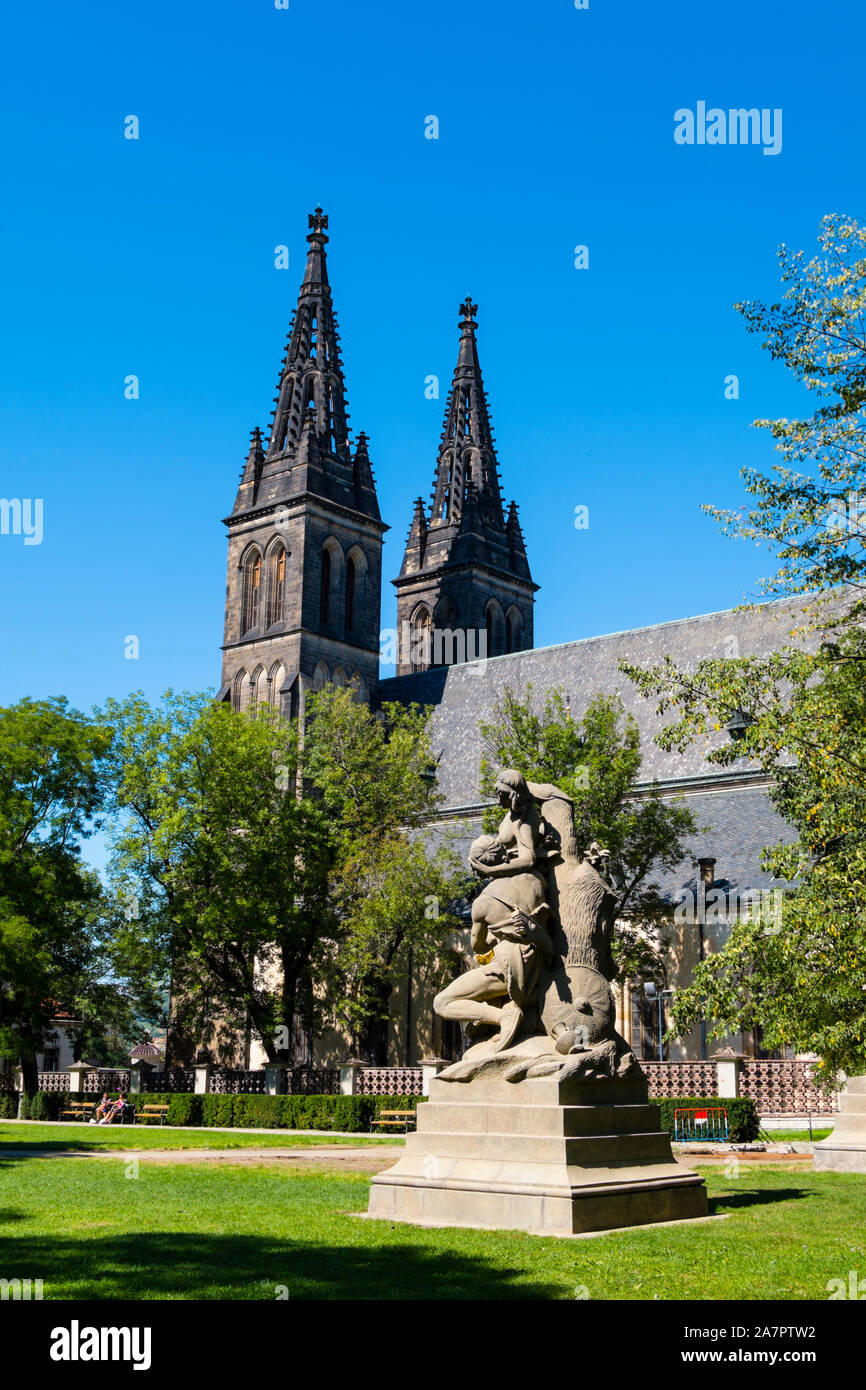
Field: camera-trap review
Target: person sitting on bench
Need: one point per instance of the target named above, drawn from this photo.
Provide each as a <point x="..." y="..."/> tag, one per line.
<point x="101" y="1109"/>
<point x="114" y="1110"/>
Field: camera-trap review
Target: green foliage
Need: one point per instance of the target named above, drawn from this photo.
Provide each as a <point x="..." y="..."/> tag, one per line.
<point x="392" y="897"/>
<point x="55" y="919"/>
<point x="596" y="759"/>
<point x="802" y="979"/>
<point x="226" y="866"/>
<point x="743" y="1119"/>
<point x="817" y="331"/>
<point x="216" y="1111"/>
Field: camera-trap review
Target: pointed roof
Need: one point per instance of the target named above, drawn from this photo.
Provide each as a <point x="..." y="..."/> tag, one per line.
<point x="416" y="541"/>
<point x="466" y="522"/>
<point x="308" y="447"/>
<point x="467" y="451"/>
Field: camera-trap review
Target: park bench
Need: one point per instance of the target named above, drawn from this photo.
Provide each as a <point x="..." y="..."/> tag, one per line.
<point x="78" y="1110"/>
<point x="151" y="1112"/>
<point x="393" y="1119"/>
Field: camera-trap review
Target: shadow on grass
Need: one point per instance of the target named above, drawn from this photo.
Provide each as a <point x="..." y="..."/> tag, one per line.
<point x="756" y="1197"/>
<point x="196" y="1265"/>
<point x="47" y="1147"/>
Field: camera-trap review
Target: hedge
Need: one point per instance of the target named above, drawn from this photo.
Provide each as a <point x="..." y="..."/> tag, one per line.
<point x="345" y="1114"/>
<point x="743" y="1119"/>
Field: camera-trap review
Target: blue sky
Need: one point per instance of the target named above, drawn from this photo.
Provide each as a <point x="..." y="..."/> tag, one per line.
<point x="155" y="257"/>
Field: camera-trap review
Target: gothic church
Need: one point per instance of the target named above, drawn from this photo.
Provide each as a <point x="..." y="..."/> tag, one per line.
<point x="303" y="590"/>
<point x="303" y="596"/>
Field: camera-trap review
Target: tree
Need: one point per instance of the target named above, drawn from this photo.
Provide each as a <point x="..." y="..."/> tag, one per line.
<point x="55" y="920"/>
<point x="596" y="759"/>
<point x="804" y="706"/>
<point x="374" y="772"/>
<point x="224" y="865"/>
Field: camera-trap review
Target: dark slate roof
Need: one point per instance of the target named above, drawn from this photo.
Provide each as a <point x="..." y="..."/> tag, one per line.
<point x="464" y="694"/>
<point x="735" y="825"/>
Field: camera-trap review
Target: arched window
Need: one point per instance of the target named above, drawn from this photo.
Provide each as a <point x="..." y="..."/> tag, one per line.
<point x="513" y="631"/>
<point x="321" y="676"/>
<point x="325" y="589"/>
<point x="495" y="628"/>
<point x="277" y="585"/>
<point x="252" y="591"/>
<point x="258" y="687"/>
<point x="339" y="677"/>
<point x="350" y="594"/>
<point x="241" y="691"/>
<point x="421" y="639"/>
<point x="277" y="681"/>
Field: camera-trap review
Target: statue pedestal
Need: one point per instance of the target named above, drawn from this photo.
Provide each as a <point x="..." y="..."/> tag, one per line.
<point x="542" y="1155"/>
<point x="844" y="1151"/>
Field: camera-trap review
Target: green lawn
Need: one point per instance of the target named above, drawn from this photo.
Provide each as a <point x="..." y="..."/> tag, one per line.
<point x="791" y="1136"/>
<point x="39" y="1134"/>
<point x="92" y="1230"/>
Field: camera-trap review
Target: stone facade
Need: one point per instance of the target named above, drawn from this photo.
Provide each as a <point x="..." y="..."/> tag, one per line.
<point x="303" y="588"/>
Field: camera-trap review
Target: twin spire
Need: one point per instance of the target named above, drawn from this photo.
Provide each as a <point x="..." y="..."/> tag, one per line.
<point x="307" y="446"/>
<point x="466" y="518"/>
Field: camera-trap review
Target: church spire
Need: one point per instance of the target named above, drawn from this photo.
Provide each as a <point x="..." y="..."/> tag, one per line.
<point x="465" y="566"/>
<point x="311" y="392"/>
<point x="467" y="452"/>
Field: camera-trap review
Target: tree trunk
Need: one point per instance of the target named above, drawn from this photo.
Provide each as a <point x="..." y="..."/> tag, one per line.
<point x="374" y="1034"/>
<point x="31" y="1074"/>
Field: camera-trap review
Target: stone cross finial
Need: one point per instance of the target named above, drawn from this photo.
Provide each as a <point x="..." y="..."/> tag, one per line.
<point x="318" y="220"/>
<point x="468" y="310"/>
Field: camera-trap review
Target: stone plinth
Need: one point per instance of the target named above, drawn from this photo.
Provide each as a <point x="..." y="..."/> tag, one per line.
<point x="541" y="1155"/>
<point x="844" y="1151"/>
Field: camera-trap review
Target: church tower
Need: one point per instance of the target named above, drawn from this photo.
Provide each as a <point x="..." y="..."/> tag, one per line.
<point x="465" y="580"/>
<point x="305" y="536"/>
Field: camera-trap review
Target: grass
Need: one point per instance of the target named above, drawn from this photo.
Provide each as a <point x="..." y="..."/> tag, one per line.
<point x="793" y="1136"/>
<point x="93" y="1230"/>
<point x="38" y="1134"/>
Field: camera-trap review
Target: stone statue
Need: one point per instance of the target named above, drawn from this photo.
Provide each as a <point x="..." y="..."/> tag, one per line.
<point x="509" y="937"/>
<point x="538" y="1002"/>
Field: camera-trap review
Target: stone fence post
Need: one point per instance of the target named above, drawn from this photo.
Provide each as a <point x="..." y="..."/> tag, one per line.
<point x="350" y="1073"/>
<point x="275" y="1078"/>
<point x="727" y="1073"/>
<point x="139" y="1071"/>
<point x="202" y="1072"/>
<point x="430" y="1067"/>
<point x="78" y="1072"/>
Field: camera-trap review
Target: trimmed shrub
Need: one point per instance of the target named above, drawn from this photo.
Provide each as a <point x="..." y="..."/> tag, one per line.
<point x="47" y="1105"/>
<point x="343" y="1114"/>
<point x="216" y="1111"/>
<point x="257" y="1112"/>
<point x="183" y="1109"/>
<point x="743" y="1120"/>
<point x="8" y="1105"/>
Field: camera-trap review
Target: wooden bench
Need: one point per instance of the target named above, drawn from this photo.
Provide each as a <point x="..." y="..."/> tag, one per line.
<point x="79" y="1110"/>
<point x="151" y="1112"/>
<point x="393" y="1119"/>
